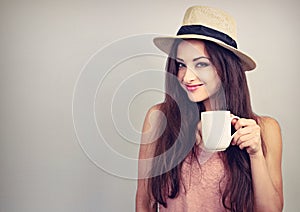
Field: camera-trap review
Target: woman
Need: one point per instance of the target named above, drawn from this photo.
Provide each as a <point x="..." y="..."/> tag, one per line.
<point x="206" y="71"/>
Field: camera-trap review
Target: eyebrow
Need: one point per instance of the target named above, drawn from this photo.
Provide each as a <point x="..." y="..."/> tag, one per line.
<point x="197" y="58"/>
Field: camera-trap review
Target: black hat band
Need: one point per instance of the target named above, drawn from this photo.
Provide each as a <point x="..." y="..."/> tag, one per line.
<point x="209" y="32"/>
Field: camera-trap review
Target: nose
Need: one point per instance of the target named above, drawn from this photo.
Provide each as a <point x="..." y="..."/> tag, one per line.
<point x="189" y="76"/>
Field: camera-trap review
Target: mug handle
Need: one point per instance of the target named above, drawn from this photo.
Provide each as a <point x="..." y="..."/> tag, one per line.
<point x="231" y="118"/>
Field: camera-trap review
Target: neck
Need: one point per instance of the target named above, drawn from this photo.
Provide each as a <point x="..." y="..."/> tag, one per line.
<point x="215" y="102"/>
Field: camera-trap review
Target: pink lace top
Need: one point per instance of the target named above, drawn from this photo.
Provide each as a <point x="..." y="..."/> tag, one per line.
<point x="202" y="186"/>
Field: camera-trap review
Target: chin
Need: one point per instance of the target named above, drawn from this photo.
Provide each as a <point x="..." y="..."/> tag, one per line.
<point x="193" y="98"/>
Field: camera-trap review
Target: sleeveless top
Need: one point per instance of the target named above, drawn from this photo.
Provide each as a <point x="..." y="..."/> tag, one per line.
<point x="201" y="187"/>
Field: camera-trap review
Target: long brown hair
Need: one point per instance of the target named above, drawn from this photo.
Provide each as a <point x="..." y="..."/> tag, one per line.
<point x="182" y="117"/>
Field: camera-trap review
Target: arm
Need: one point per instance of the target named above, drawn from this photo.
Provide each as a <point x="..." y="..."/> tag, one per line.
<point x="143" y="202"/>
<point x="144" y="199"/>
<point x="265" y="169"/>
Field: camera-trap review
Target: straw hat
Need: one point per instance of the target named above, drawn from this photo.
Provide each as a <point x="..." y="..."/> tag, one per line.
<point x="210" y="24"/>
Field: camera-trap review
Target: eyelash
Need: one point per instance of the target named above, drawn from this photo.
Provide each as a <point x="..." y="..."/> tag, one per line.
<point x="203" y="64"/>
<point x="199" y="65"/>
<point x="180" y="65"/>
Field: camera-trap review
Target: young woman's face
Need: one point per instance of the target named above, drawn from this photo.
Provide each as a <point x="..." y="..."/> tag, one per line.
<point x="196" y="74"/>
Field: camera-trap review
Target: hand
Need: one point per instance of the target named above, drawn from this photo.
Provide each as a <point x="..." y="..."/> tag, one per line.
<point x="247" y="136"/>
<point x="199" y="133"/>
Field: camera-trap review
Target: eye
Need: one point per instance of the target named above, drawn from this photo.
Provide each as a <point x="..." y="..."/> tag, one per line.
<point x="202" y="64"/>
<point x="180" y="65"/>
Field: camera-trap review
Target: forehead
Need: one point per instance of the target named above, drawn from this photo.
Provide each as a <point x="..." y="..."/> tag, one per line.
<point x="191" y="49"/>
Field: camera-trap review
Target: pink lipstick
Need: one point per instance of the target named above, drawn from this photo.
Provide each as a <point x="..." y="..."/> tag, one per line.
<point x="193" y="87"/>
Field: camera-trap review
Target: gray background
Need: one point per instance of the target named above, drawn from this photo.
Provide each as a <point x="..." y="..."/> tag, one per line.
<point x="44" y="46"/>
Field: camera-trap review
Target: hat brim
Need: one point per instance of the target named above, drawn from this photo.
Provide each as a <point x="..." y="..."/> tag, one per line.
<point x="165" y="44"/>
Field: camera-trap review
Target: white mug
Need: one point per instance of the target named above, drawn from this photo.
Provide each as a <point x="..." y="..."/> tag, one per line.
<point x="216" y="130"/>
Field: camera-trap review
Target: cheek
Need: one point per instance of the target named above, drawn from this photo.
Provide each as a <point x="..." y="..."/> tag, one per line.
<point x="207" y="77"/>
<point x="219" y="83"/>
<point x="212" y="81"/>
<point x="180" y="75"/>
<point x="216" y="84"/>
<point x="214" y="78"/>
<point x="217" y="79"/>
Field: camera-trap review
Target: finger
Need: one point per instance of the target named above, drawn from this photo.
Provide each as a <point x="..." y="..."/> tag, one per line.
<point x="199" y="126"/>
<point x="243" y="123"/>
<point x="198" y="133"/>
<point x="240" y="132"/>
<point x="198" y="138"/>
<point x="245" y="138"/>
<point x="253" y="149"/>
<point x="234" y="120"/>
<point x="250" y="147"/>
<point x="244" y="145"/>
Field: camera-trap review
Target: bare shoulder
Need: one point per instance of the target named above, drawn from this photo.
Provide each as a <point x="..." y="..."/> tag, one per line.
<point x="154" y="108"/>
<point x="271" y="133"/>
<point x="151" y="131"/>
<point x="268" y="124"/>
<point x="153" y="116"/>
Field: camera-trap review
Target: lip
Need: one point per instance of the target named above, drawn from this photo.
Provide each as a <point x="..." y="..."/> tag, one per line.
<point x="193" y="87"/>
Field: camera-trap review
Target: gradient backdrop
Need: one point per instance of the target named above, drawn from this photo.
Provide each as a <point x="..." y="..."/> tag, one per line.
<point x="46" y="46"/>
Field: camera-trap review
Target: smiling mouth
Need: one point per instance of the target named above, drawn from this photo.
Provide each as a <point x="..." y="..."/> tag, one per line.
<point x="193" y="87"/>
